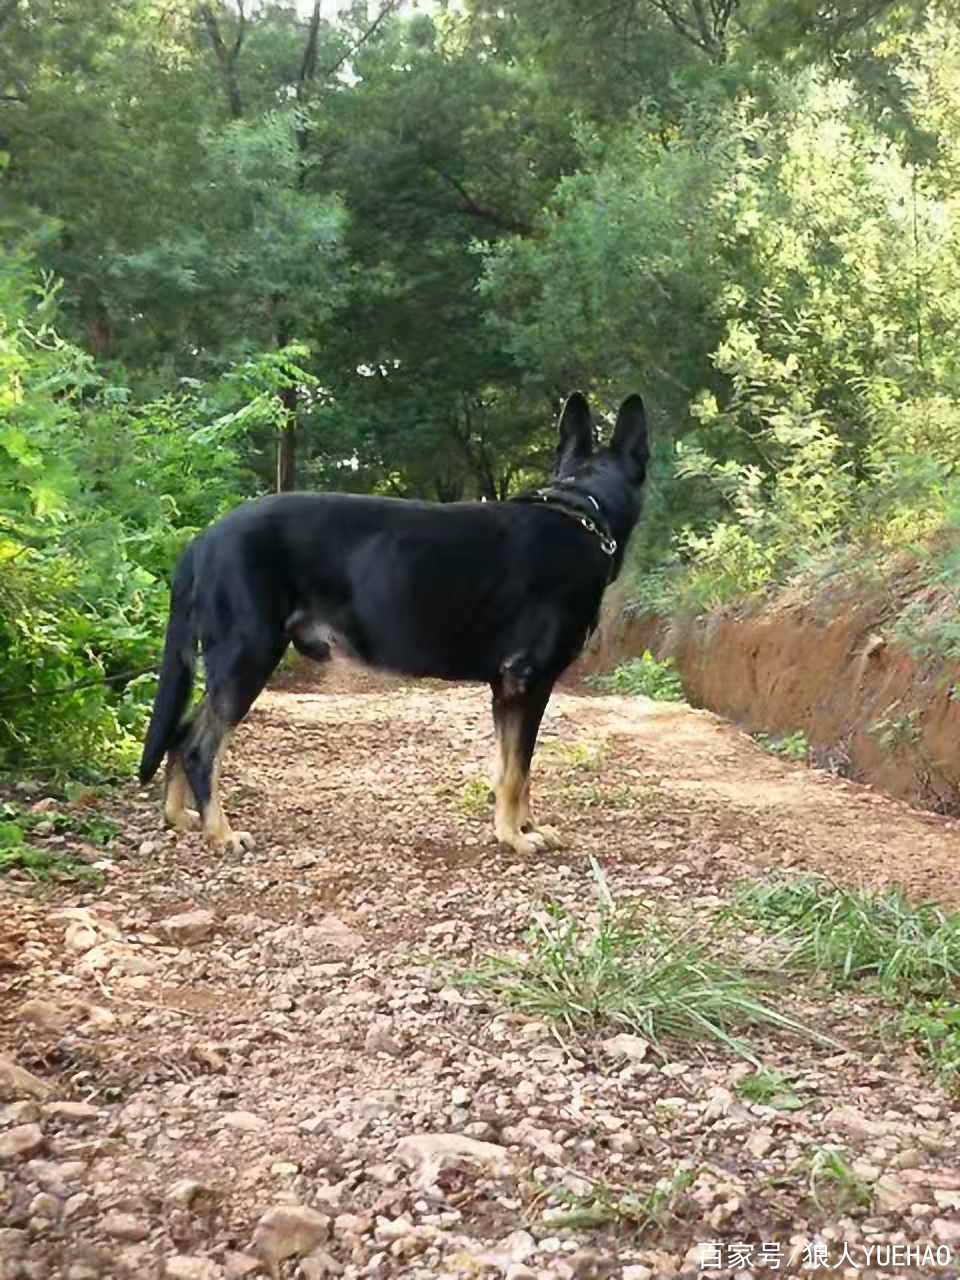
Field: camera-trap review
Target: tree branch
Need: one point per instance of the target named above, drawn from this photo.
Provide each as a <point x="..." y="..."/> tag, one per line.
<point x="389" y="7"/>
<point x="477" y="210"/>
<point x="707" y="31"/>
<point x="308" y="76"/>
<point x="226" y="58"/>
<point x="308" y="67"/>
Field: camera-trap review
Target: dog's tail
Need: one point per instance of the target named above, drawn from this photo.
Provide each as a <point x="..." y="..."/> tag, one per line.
<point x="176" y="670"/>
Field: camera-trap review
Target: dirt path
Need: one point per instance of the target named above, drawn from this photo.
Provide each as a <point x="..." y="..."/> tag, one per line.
<point x="284" y="1059"/>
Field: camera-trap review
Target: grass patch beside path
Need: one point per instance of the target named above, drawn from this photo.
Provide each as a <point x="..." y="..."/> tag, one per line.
<point x="911" y="952"/>
<point x="19" y="852"/>
<point x="626" y="1208"/>
<point x="849" y="935"/>
<point x="634" y="970"/>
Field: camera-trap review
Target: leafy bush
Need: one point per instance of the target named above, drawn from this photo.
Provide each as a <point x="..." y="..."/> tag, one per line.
<point x="791" y="746"/>
<point x="97" y="495"/>
<point x="644" y="676"/>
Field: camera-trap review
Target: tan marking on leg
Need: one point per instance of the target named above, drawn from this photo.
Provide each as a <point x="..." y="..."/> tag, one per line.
<point x="512" y="791"/>
<point x="528" y="824"/>
<point x="216" y="827"/>
<point x="542" y="837"/>
<point x="176" y="799"/>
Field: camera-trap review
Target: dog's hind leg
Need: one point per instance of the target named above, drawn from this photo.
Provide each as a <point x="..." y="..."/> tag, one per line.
<point x="232" y="688"/>
<point x="202" y="755"/>
<point x="516" y="716"/>
<point x="177" y="797"/>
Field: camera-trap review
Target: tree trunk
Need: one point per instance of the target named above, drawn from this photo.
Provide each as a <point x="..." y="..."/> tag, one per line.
<point x="287" y="436"/>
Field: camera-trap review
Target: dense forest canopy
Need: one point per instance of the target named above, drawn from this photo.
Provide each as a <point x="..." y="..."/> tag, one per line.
<point x="249" y="246"/>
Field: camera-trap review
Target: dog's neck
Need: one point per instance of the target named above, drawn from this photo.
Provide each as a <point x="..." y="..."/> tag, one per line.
<point x="601" y="496"/>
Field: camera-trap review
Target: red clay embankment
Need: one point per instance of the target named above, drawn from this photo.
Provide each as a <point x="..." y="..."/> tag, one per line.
<point x="829" y="668"/>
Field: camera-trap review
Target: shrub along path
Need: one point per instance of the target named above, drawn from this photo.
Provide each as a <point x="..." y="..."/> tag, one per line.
<point x="298" y="1061"/>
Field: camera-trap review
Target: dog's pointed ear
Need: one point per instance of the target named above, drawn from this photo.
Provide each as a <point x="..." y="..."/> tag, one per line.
<point x="630" y="441"/>
<point x="576" y="433"/>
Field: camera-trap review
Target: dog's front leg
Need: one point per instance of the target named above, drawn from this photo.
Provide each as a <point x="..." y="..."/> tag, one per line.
<point x="517" y="712"/>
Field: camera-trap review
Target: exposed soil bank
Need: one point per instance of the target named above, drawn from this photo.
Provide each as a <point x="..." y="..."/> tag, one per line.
<point x="870" y="710"/>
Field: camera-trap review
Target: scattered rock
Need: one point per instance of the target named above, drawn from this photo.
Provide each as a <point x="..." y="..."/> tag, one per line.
<point x="188" y="928"/>
<point x="244" y="1121"/>
<point x="431" y="1152"/>
<point x="946" y="1230"/>
<point x="186" y="1192"/>
<point x="72" y="1112"/>
<point x="381" y="1041"/>
<point x="19" y="1083"/>
<point x="634" y="1048"/>
<point x="331" y="939"/>
<point x="21" y="1142"/>
<point x="240" y="1265"/>
<point x="20" y="1113"/>
<point x="318" y="1265"/>
<point x="125" y="1226"/>
<point x="13" y="1242"/>
<point x="289" y="1231"/>
<point x="184" y="1266"/>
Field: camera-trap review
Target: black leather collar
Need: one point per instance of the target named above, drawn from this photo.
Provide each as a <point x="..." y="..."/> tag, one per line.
<point x="578" y="505"/>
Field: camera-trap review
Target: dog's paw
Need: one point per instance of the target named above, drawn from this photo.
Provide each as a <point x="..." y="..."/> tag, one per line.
<point x="185" y="820"/>
<point x="524" y="842"/>
<point x="232" y="842"/>
<point x="552" y="836"/>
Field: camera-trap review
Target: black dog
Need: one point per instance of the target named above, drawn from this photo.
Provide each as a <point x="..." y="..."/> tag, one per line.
<point x="502" y="592"/>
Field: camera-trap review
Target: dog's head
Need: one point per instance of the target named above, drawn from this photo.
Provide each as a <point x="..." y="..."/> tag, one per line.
<point x="628" y="450"/>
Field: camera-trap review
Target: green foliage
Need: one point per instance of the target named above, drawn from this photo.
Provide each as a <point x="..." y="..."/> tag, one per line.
<point x="771" y="1088"/>
<point x="87" y="824"/>
<point x="627" y="1209"/>
<point x="633" y="970"/>
<point x="97" y="494"/>
<point x="472" y="800"/>
<point x="934" y="1027"/>
<point x="850" y="935"/>
<point x="834" y="1185"/>
<point x="37" y="863"/>
<point x="241" y="247"/>
<point x="644" y="676"/>
<point x="595" y="795"/>
<point x="791" y="746"/>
